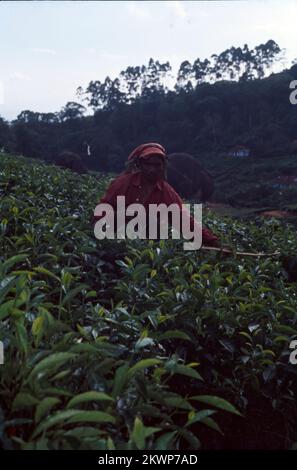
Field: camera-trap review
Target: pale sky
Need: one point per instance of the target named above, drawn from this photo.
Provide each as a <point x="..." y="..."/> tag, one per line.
<point x="48" y="49"/>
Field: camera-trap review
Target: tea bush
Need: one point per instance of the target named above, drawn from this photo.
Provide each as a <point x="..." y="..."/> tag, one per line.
<point x="138" y="344"/>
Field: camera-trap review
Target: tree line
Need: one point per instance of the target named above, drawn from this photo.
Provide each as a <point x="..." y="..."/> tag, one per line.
<point x="215" y="104"/>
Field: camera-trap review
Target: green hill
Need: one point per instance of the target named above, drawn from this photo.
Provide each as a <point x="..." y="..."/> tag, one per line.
<point x="253" y="182"/>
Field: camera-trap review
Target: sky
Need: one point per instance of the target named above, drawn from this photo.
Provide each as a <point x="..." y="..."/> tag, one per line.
<point x="49" y="48"/>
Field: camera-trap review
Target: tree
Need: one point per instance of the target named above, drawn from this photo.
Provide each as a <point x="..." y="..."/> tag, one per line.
<point x="131" y="82"/>
<point x="105" y="95"/>
<point x="4" y="134"/>
<point x="153" y="76"/>
<point x="71" y="110"/>
<point x="258" y="61"/>
<point x="201" y="70"/>
<point x="184" y="77"/>
<point x="25" y="138"/>
<point x="27" y="116"/>
<point x="72" y="161"/>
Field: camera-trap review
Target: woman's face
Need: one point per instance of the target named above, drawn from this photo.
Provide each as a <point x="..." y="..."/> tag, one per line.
<point x="152" y="168"/>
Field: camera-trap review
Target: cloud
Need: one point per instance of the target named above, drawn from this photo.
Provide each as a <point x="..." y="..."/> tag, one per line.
<point x="111" y="56"/>
<point x="1" y="93"/>
<point x="91" y="51"/>
<point x="138" y="12"/>
<point x="44" y="51"/>
<point x="20" y="76"/>
<point x="104" y="54"/>
<point x="177" y="8"/>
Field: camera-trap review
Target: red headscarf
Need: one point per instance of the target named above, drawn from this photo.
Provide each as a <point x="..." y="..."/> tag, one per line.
<point x="145" y="150"/>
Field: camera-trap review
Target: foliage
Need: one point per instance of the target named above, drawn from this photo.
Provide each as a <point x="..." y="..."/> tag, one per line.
<point x="252" y="182"/>
<point x="137" y="344"/>
<point x="215" y="104"/>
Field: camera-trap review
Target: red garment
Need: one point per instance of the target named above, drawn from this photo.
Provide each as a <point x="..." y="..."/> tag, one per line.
<point x="129" y="185"/>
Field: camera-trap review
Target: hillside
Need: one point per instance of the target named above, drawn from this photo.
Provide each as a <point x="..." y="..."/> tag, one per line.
<point x="256" y="182"/>
<point x="206" y="121"/>
<point x="139" y="344"/>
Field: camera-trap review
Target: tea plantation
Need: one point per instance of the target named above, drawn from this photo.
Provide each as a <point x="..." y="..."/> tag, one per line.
<point x="138" y="344"/>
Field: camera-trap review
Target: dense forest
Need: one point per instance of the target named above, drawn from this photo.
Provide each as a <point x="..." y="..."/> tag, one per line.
<point x="230" y="99"/>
